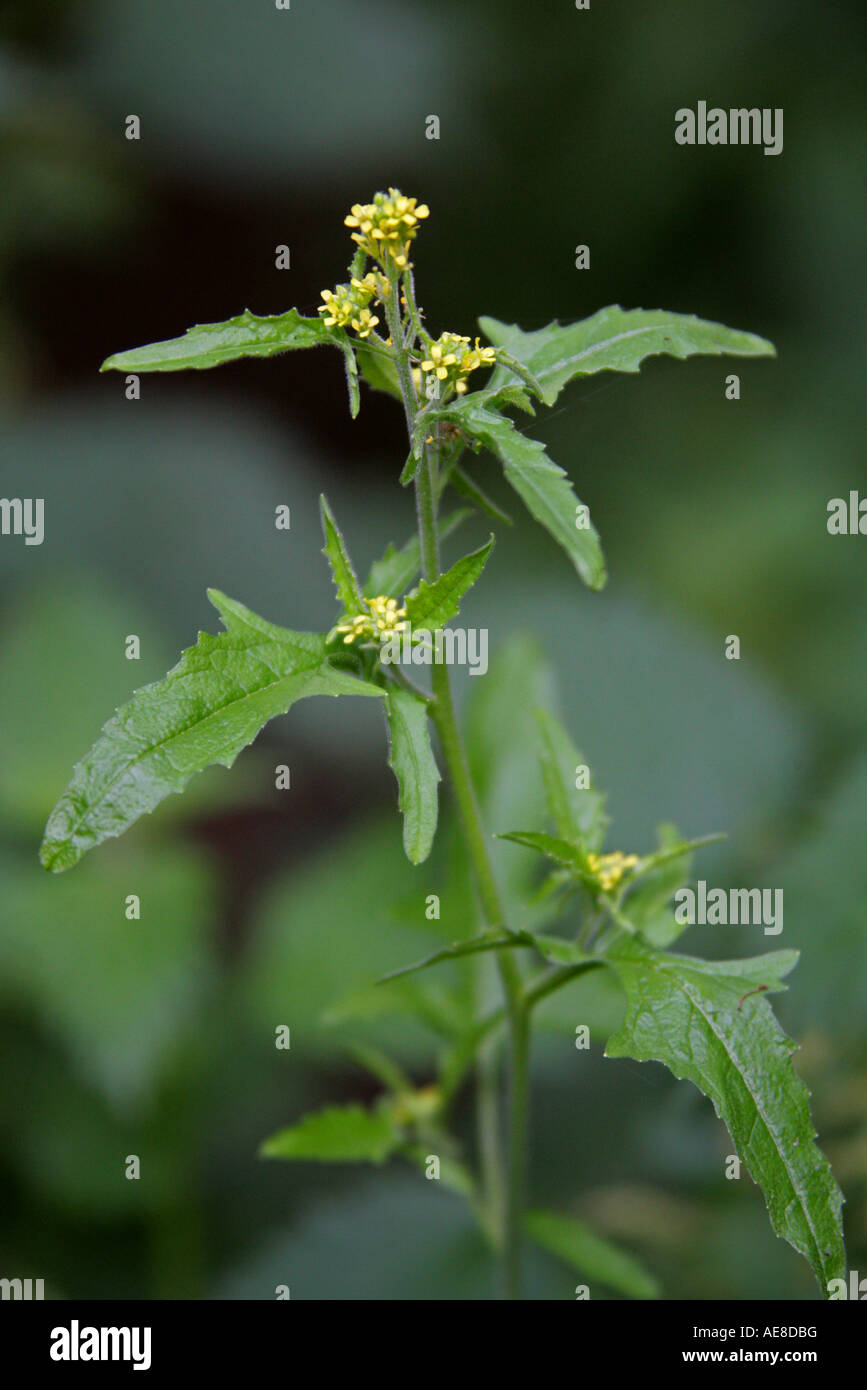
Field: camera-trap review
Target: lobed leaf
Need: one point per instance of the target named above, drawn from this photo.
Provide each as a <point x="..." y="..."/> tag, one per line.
<point x="412" y="762"/>
<point x="209" y="706"/>
<point x="213" y="344"/>
<point x="709" y="1022"/>
<point x="613" y="340"/>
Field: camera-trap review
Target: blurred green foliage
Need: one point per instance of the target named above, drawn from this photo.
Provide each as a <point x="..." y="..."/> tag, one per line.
<point x="156" y="1037"/>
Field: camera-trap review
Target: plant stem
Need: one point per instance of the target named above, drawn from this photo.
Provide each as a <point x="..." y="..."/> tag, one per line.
<point x="443" y="713"/>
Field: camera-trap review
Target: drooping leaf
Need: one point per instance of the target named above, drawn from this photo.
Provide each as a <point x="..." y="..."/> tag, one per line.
<point x="431" y="606"/>
<point x="577" y="812"/>
<point x="398" y="568"/>
<point x="212" y="344"/>
<point x="709" y="1022"/>
<point x="595" y="1259"/>
<point x="412" y="762"/>
<point x="209" y="706"/>
<point x="342" y="1134"/>
<point x="543" y="487"/>
<point x="614" y="340"/>
<point x="345" y="581"/>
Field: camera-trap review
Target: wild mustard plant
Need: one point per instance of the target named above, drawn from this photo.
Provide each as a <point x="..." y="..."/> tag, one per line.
<point x="710" y="1022"/>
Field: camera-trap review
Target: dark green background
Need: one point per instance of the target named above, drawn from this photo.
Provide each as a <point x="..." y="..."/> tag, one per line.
<point x="261" y="908"/>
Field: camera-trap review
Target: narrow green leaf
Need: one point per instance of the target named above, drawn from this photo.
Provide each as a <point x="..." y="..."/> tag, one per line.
<point x="543" y="487"/>
<point x="647" y="905"/>
<point x="342" y="1134"/>
<point x="474" y="945"/>
<point x="613" y="340"/>
<point x="397" y="569"/>
<point x="410" y="468"/>
<point x="412" y="762"/>
<point x="463" y="484"/>
<point x="431" y="606"/>
<point x="345" y="581"/>
<point x="577" y="812"/>
<point x="212" y="344"/>
<point x="595" y="1258"/>
<point x="710" y="1022"/>
<point x="561" y="952"/>
<point x="563" y="852"/>
<point x="209" y="706"/>
<point x="380" y="1065"/>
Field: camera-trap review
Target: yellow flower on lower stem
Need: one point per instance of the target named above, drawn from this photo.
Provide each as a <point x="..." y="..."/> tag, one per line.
<point x="382" y="621"/>
<point x="610" y="868"/>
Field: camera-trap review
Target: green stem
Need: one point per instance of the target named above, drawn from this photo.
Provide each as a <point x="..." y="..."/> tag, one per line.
<point x="443" y="713"/>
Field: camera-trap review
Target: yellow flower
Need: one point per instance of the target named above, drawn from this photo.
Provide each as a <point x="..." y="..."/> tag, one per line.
<point x="382" y="621"/>
<point x="451" y="360"/>
<point x="387" y="226"/>
<point x="346" y="305"/>
<point x="610" y="868"/>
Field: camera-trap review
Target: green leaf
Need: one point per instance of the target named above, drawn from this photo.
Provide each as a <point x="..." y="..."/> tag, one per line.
<point x="412" y="762"/>
<point x="473" y="946"/>
<point x="553" y="948"/>
<point x="648" y="903"/>
<point x="562" y="852"/>
<point x="431" y="606"/>
<point x="613" y="340"/>
<point x="342" y="1134"/>
<point x="212" y="344"/>
<point x="378" y="367"/>
<point x="542" y="486"/>
<point x="709" y="1022"/>
<point x="398" y="568"/>
<point x="345" y="581"/>
<point x="463" y="484"/>
<point x="577" y="813"/>
<point x="209" y="706"/>
<point x="594" y="1258"/>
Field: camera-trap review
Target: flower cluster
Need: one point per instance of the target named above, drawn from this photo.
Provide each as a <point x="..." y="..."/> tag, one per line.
<point x="610" y="868"/>
<point x="346" y="306"/>
<point x="387" y="226"/>
<point x="382" y="620"/>
<point x="451" y="359"/>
